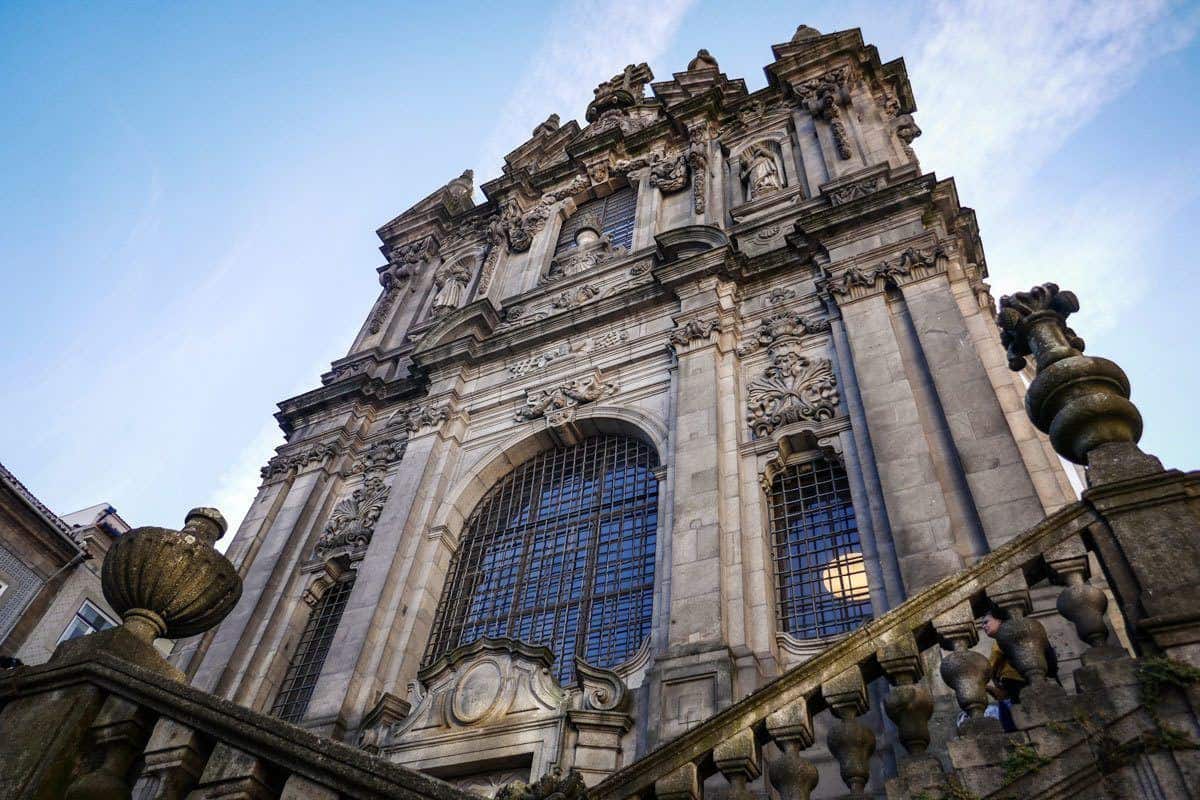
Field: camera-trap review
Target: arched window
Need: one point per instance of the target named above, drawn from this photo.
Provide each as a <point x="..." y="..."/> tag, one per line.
<point x="820" y="579"/>
<point x="301" y="677"/>
<point x="611" y="215"/>
<point x="560" y="553"/>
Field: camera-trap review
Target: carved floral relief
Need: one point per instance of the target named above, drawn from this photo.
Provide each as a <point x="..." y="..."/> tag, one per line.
<point x="558" y="403"/>
<point x="352" y="522"/>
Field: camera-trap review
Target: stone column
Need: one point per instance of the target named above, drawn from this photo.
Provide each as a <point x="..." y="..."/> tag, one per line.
<point x="705" y="572"/>
<point x="917" y="511"/>
<point x="350" y="677"/>
<point x="1005" y="499"/>
<point x="264" y="577"/>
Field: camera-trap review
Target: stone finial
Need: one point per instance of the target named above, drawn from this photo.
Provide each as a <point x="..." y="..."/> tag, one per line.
<point x="804" y="33"/>
<point x="171" y="583"/>
<point x="547" y="127"/>
<point x="703" y="60"/>
<point x="1080" y="401"/>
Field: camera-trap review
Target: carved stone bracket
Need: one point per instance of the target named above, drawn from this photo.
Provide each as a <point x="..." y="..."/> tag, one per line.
<point x="421" y="417"/>
<point x="283" y="463"/>
<point x="701" y="330"/>
<point x="909" y="266"/>
<point x="404" y="262"/>
<point x="559" y="403"/>
<point x="824" y="97"/>
<point x="352" y="522"/>
<point x="600" y="689"/>
<point x="780" y="325"/>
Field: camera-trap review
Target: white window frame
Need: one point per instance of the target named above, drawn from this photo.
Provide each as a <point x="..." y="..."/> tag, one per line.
<point x="78" y="617"/>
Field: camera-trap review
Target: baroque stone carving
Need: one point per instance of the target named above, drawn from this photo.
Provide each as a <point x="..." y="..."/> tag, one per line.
<point x="692" y="330"/>
<point x="585" y="256"/>
<point x="906" y="130"/>
<point x="551" y="786"/>
<point x="669" y="173"/>
<point x="420" y="417"/>
<point x="697" y="155"/>
<point x="794" y="387"/>
<point x="912" y="262"/>
<point x="600" y="689"/>
<point x="780" y="325"/>
<point x="592" y="344"/>
<point x="853" y="191"/>
<point x="404" y="262"/>
<point x="573" y="298"/>
<point x="558" y="404"/>
<point x="352" y="522"/>
<point x="760" y="171"/>
<point x="386" y="451"/>
<point x="780" y="295"/>
<point x="451" y="282"/>
<point x="282" y="464"/>
<point x="822" y="98"/>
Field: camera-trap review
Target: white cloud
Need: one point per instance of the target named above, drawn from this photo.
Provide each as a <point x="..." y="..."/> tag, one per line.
<point x="585" y="43"/>
<point x="1002" y="86"/>
<point x="237" y="486"/>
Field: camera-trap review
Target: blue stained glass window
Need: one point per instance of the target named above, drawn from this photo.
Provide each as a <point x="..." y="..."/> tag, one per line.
<point x="560" y="553"/>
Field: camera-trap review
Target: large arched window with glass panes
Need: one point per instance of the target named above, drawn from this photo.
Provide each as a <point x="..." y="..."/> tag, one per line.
<point x="820" y="577"/>
<point x="560" y="553"/>
<point x="611" y="216"/>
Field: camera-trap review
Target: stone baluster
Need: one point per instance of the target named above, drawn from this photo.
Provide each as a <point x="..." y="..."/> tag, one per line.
<point x="1022" y="638"/>
<point x="909" y="703"/>
<point x="231" y="774"/>
<point x="791" y="728"/>
<point x="1082" y="604"/>
<point x="965" y="671"/>
<point x="118" y="733"/>
<point x="851" y="742"/>
<point x="174" y="758"/>
<point x="737" y="759"/>
<point x="680" y="784"/>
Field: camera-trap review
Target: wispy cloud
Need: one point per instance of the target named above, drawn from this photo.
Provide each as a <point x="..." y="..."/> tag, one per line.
<point x="585" y="43"/>
<point x="237" y="486"/>
<point x="1002" y="86"/>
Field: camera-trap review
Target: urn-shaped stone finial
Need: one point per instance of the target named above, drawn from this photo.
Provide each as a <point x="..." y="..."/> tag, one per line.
<point x="171" y="583"/>
<point x="1081" y="402"/>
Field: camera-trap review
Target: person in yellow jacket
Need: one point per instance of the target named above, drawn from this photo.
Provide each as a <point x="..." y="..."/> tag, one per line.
<point x="1006" y="682"/>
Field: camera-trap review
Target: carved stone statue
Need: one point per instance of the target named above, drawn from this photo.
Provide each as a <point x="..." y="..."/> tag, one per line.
<point x="760" y="171"/>
<point x="703" y="60"/>
<point x="451" y="282"/>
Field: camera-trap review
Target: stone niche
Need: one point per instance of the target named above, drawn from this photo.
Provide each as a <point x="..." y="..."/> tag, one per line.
<point x="491" y="713"/>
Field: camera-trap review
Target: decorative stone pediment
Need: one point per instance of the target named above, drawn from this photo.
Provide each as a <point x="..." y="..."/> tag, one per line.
<point x="558" y="403"/>
<point x="490" y="682"/>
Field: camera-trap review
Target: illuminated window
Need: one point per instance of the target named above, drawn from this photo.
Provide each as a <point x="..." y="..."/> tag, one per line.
<point x="611" y="215"/>
<point x="88" y="619"/>
<point x="821" y="581"/>
<point x="301" y="678"/>
<point x="560" y="553"/>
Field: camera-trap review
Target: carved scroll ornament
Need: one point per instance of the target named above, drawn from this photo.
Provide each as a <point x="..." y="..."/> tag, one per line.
<point x="352" y="522"/>
<point x="794" y="387"/>
<point x="822" y="98"/>
<point x="558" y="404"/>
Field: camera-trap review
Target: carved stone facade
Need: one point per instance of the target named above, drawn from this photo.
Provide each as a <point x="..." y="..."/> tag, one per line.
<point x="796" y="298"/>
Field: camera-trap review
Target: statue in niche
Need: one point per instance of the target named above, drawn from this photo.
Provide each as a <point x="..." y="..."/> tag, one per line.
<point x="451" y="282"/>
<point x="760" y="171"/>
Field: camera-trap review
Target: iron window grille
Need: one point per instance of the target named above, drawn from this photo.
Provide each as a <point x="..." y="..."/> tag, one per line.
<point x="559" y="553"/>
<point x="300" y="680"/>
<point x="612" y="215"/>
<point x="820" y="577"/>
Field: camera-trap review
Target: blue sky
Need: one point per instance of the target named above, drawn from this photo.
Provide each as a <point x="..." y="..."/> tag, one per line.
<point x="190" y="192"/>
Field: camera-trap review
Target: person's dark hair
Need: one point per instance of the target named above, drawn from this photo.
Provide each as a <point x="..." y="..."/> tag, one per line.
<point x="996" y="612"/>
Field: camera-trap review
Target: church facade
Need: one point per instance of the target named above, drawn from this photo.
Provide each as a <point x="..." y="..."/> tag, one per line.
<point x="704" y="384"/>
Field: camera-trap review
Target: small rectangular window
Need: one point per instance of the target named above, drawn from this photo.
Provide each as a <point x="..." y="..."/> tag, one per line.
<point x="88" y="619"/>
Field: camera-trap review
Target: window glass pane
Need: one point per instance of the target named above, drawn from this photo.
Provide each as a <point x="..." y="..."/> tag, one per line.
<point x="300" y="680"/>
<point x="88" y="619"/>
<point x="612" y="215"/>
<point x="573" y="569"/>
<point x="821" y="580"/>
